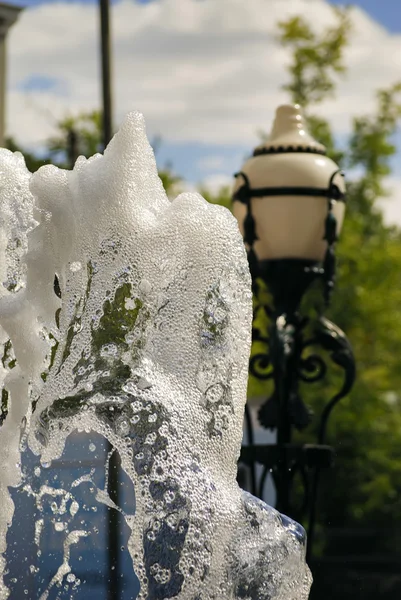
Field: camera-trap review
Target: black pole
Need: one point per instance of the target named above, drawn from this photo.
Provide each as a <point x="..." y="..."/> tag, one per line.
<point x="72" y="147"/>
<point x="106" y="71"/>
<point x="287" y="280"/>
<point x="113" y="483"/>
<point x="282" y="378"/>
<point x="114" y="576"/>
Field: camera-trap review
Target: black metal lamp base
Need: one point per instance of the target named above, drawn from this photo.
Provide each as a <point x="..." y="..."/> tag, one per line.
<point x="288" y="358"/>
<point x="287" y="280"/>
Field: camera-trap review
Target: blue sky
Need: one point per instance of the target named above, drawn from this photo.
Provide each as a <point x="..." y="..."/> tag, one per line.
<point x="386" y="12"/>
<point x="207" y="119"/>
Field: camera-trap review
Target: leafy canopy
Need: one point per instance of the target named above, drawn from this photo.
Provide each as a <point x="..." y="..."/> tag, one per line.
<point x="82" y="135"/>
<point x="366" y="427"/>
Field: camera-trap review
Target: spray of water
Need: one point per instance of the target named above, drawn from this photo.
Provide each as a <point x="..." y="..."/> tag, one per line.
<point x="146" y="343"/>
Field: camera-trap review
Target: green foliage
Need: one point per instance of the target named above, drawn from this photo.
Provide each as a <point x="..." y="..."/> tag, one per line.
<point x="82" y="135"/>
<point x="8" y="361"/>
<point x="116" y="320"/>
<point x="77" y="135"/>
<point x="316" y="57"/>
<point x="366" y="428"/>
<point x="171" y="182"/>
<point x="223" y="197"/>
<point x="31" y="160"/>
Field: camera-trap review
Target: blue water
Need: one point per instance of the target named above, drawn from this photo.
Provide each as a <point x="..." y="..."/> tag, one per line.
<point x="29" y="574"/>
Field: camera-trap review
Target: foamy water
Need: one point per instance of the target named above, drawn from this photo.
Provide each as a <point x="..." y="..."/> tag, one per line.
<point x="148" y="346"/>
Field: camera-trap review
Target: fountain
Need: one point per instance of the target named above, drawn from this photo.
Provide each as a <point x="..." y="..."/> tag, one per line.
<point x="142" y="338"/>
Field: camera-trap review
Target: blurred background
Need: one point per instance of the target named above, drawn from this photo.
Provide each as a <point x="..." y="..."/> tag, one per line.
<point x="208" y="76"/>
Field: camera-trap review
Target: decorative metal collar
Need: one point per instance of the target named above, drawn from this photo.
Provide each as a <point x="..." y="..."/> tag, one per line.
<point x="245" y="192"/>
<point x="288" y="149"/>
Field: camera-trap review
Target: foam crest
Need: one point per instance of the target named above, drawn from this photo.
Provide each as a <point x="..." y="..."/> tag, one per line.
<point x="148" y="347"/>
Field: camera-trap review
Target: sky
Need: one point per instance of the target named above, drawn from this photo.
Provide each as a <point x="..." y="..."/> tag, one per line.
<point x="207" y="74"/>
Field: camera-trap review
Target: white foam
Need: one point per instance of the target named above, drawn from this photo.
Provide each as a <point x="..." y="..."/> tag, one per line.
<point x="150" y="349"/>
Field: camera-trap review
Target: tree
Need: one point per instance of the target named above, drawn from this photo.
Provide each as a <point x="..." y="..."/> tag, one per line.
<point x="366" y="427"/>
<point x="223" y="196"/>
<point x="82" y="135"/>
<point x="365" y="430"/>
<point x="32" y="161"/>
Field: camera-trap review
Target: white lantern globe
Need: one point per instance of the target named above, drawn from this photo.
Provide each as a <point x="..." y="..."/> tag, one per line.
<point x="292" y="167"/>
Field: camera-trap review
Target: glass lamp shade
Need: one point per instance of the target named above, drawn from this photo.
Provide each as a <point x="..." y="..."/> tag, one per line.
<point x="290" y="226"/>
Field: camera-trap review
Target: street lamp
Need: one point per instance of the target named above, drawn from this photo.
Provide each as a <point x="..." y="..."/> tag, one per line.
<point x="289" y="199"/>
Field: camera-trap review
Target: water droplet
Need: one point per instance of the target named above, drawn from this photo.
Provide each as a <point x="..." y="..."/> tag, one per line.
<point x="144" y="384"/>
<point x="75" y="266"/>
<point x="122" y="426"/>
<point x="145" y="287"/>
<point x="74" y="508"/>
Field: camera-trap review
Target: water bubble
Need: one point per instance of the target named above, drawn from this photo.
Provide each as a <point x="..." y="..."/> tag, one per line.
<point x="144" y="384"/>
<point x="151" y="438"/>
<point x="145" y="287"/>
<point x="74" y="508"/>
<point x="136" y="406"/>
<point x="122" y="426"/>
<point x="75" y="266"/>
<point x="130" y="303"/>
<point x="169" y="496"/>
<point x="215" y="393"/>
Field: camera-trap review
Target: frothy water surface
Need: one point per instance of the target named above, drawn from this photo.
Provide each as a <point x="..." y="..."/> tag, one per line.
<point x="145" y="345"/>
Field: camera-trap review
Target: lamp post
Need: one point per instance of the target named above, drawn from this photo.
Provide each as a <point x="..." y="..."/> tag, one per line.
<point x="8" y="16"/>
<point x="107" y="134"/>
<point x="289" y="199"/>
<point x="105" y="47"/>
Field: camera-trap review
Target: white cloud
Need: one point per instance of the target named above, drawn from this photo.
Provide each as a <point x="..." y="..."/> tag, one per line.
<point x="211" y="162"/>
<point x="205" y="71"/>
<point x="214" y="183"/>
